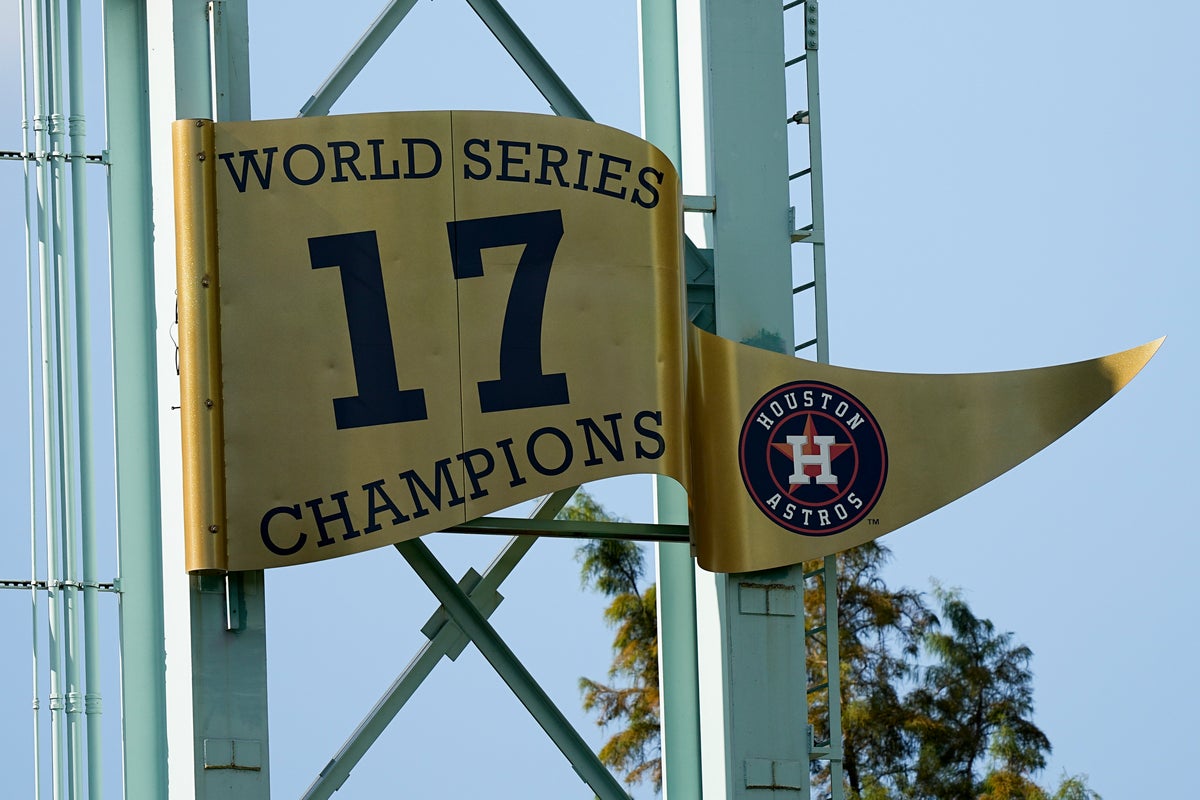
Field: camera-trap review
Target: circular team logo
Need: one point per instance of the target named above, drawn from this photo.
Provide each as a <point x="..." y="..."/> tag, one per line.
<point x="812" y="457"/>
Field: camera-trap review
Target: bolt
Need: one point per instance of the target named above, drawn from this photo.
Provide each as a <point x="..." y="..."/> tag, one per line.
<point x="213" y="529"/>
<point x="204" y="281"/>
<point x="199" y="123"/>
<point x="208" y="403"/>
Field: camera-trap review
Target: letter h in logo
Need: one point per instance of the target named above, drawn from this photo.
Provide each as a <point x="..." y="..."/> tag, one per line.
<point x="801" y="460"/>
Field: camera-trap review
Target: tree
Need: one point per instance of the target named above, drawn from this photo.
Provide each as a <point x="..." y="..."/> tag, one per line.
<point x="615" y="567"/>
<point x="880" y="632"/>
<point x="934" y="707"/>
<point x="974" y="699"/>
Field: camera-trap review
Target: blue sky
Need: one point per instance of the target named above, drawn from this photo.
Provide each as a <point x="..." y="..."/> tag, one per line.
<point x="1004" y="190"/>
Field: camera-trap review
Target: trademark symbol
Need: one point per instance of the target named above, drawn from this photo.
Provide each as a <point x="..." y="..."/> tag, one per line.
<point x="873" y="521"/>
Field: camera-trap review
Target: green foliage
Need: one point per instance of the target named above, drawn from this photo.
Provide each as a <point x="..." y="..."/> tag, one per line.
<point x="975" y="699"/>
<point x="934" y="706"/>
<point x="615" y="568"/>
<point x="879" y="636"/>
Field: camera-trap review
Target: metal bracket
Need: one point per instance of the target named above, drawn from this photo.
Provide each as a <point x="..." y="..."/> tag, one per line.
<point x="810" y="25"/>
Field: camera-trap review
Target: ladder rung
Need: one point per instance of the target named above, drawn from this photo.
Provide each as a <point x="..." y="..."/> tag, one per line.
<point x="820" y="687"/>
<point x="793" y="4"/>
<point x="809" y="343"/>
<point x="793" y="61"/>
<point x="800" y="118"/>
<point x="814" y="631"/>
<point x="799" y="174"/>
<point x="798" y="290"/>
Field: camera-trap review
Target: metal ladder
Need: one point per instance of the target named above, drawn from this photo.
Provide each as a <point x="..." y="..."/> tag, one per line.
<point x="821" y="578"/>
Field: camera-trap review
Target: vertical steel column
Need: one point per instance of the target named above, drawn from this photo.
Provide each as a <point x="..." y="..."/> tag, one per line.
<point x="678" y="678"/>
<point x="28" y="174"/>
<point x="47" y="128"/>
<point x="88" y="508"/>
<point x="135" y="384"/>
<point x="821" y="307"/>
<point x="755" y="688"/>
<point x="218" y="716"/>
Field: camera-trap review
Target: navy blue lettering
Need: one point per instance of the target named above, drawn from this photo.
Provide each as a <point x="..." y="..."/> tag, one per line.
<point x="342" y="514"/>
<point x="414" y="481"/>
<point x="484" y="145"/>
<point x="379" y="401"/>
<point x="531" y="451"/>
<point x="264" y="530"/>
<point x="517" y="478"/>
<point x="384" y="502"/>
<point x="581" y="182"/>
<point x="654" y="436"/>
<point x="412" y="158"/>
<point x="379" y="174"/>
<point x="250" y="160"/>
<point x="650" y="188"/>
<point x="507" y="161"/>
<point x="548" y="164"/>
<point x="340" y="161"/>
<point x="319" y="166"/>
<point x="612" y="445"/>
<point x="474" y="474"/>
<point x="606" y="174"/>
<point x="522" y="384"/>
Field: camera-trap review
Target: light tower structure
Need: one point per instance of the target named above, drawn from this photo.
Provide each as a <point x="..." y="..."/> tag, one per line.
<point x="193" y="648"/>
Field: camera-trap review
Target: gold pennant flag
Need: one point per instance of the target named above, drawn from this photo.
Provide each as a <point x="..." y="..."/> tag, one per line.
<point x="395" y="323"/>
<point x="831" y="457"/>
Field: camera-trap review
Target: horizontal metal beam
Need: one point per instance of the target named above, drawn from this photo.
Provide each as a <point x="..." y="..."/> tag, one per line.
<point x="571" y="529"/>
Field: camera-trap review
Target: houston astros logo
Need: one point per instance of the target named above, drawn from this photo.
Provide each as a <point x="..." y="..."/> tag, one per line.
<point x="812" y="457"/>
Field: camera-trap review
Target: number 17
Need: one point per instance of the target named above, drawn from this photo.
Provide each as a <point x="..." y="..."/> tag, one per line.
<point x="522" y="384"/>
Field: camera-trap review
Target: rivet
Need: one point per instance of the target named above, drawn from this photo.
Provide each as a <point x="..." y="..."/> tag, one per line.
<point x="213" y="529"/>
<point x="199" y="123"/>
<point x="200" y="156"/>
<point x="208" y="403"/>
<point x="204" y="281"/>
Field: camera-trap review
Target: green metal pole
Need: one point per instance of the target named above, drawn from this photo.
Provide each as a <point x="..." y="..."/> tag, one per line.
<point x="678" y="676"/>
<point x="48" y="238"/>
<point x="27" y="142"/>
<point x="753" y="663"/>
<point x="89" y="510"/>
<point x="66" y="419"/>
<point x="135" y="383"/>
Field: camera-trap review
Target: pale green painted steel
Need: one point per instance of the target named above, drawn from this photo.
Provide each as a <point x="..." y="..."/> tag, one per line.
<point x="816" y="238"/>
<point x="816" y="179"/>
<point x="363" y="51"/>
<point x="442" y="644"/>
<point x="27" y="142"/>
<point x="227" y="617"/>
<point x="834" y="678"/>
<point x="676" y="569"/>
<point x="511" y="671"/>
<point x="821" y="308"/>
<point x="139" y="550"/>
<point x="88" y="506"/>
<point x="67" y="422"/>
<point x="564" y="529"/>
<point x="531" y="62"/>
<point x="761" y="684"/>
<point x="48" y="129"/>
